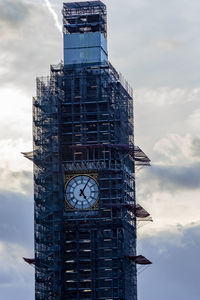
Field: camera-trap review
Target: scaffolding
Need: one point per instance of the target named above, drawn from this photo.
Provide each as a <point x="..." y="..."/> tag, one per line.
<point x="80" y="17"/>
<point x="83" y="122"/>
<point x="47" y="191"/>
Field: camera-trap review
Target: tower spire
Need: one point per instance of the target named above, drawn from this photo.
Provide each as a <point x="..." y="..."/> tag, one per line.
<point x="85" y="33"/>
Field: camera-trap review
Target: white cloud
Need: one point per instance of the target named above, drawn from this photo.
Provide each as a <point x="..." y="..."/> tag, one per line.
<point x="166" y="44"/>
<point x="170" y="210"/>
<point x="170" y="189"/>
<point x="193" y="120"/>
<point x="177" y="150"/>
<point x="15" y="114"/>
<point x="163" y="114"/>
<point x="16" y="181"/>
<point x="16" y="131"/>
<point x="11" y="157"/>
<point x="166" y="96"/>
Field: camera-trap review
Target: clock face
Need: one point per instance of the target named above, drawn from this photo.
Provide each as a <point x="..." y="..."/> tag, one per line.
<point x="82" y="192"/>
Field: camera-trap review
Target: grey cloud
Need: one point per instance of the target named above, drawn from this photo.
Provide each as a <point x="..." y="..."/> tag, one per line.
<point x="15" y="275"/>
<point x="178" y="177"/>
<point x="25" y="178"/>
<point x="154" y="122"/>
<point x="195" y="147"/>
<point x="158" y="42"/>
<point x="171" y="178"/>
<point x="7" y="277"/>
<point x="28" y="53"/>
<point x="12" y="14"/>
<point x="16" y="218"/>
<point x="19" y="292"/>
<point x="21" y="181"/>
<point x="16" y="209"/>
<point x="16" y="237"/>
<point x="174" y="273"/>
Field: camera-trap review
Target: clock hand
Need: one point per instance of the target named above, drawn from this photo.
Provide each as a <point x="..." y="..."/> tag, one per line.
<point x="82" y="190"/>
<point x="86" y="184"/>
<point x="82" y="193"/>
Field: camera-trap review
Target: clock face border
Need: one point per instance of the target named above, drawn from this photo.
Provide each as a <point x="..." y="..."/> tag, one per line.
<point x="68" y="178"/>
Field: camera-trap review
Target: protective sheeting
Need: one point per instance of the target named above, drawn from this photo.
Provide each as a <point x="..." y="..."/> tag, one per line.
<point x="140" y="259"/>
<point x="89" y="47"/>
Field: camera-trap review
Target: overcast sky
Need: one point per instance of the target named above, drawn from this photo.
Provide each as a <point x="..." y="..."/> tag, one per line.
<point x="156" y="46"/>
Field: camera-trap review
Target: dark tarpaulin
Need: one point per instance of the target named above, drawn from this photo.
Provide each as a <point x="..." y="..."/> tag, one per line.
<point x="136" y="209"/>
<point x="28" y="155"/>
<point x="30" y="261"/>
<point x="83" y="4"/>
<point x="140" y="259"/>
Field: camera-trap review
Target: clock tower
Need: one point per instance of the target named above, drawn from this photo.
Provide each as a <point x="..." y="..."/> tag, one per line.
<point x="84" y="169"/>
